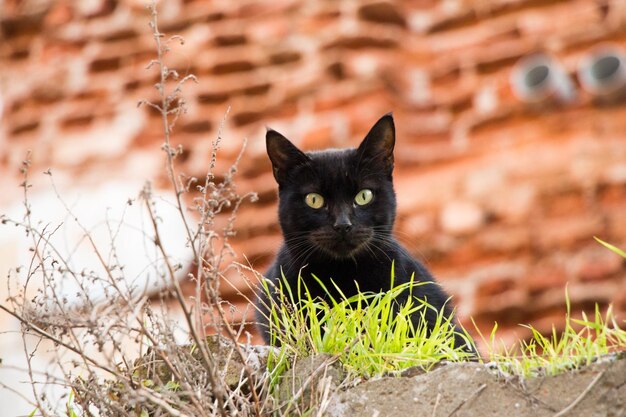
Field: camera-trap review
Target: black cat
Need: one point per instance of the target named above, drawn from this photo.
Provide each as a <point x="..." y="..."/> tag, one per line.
<point x="336" y="211"/>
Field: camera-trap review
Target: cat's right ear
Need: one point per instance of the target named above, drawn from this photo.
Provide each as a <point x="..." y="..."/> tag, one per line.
<point x="377" y="147"/>
<point x="283" y="154"/>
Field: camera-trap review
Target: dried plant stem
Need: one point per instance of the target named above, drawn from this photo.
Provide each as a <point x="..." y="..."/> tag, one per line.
<point x="91" y="337"/>
<point x="212" y="286"/>
<point x="31" y="326"/>
<point x="165" y="109"/>
<point x="472" y="396"/>
<point x="580" y="397"/>
<point x="178" y="293"/>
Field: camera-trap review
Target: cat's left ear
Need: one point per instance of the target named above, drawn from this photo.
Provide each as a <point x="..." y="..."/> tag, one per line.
<point x="377" y="147"/>
<point x="283" y="154"/>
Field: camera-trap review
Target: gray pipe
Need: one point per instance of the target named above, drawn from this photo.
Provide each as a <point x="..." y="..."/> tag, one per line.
<point x="539" y="79"/>
<point x="602" y="73"/>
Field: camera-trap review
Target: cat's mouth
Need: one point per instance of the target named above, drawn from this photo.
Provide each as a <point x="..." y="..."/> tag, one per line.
<point x="341" y="245"/>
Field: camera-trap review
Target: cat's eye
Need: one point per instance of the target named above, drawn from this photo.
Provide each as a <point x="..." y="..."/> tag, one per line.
<point x="314" y="200"/>
<point x="363" y="197"/>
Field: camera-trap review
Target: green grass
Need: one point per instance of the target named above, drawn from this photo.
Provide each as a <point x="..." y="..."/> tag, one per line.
<point x="611" y="247"/>
<point x="372" y="334"/>
<point x="581" y="342"/>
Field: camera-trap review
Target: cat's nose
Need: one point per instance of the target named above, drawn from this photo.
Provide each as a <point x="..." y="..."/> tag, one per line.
<point x="343" y="226"/>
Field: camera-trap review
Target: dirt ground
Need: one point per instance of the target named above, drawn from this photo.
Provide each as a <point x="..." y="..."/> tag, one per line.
<point x="467" y="389"/>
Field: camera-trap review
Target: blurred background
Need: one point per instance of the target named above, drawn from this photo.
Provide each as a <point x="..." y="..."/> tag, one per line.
<point x="510" y="117"/>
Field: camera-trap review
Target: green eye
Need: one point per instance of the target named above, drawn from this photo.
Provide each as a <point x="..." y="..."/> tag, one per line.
<point x="363" y="197"/>
<point x="314" y="200"/>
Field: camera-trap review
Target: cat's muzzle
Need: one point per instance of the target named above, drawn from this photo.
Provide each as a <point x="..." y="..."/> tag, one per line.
<point x="341" y="243"/>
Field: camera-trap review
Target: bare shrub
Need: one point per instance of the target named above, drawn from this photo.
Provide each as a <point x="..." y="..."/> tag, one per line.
<point x="115" y="350"/>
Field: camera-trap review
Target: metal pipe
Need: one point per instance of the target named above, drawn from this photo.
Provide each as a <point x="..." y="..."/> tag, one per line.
<point x="539" y="79"/>
<point x="602" y="73"/>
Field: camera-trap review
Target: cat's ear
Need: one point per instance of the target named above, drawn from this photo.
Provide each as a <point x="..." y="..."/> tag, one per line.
<point x="283" y="154"/>
<point x="377" y="147"/>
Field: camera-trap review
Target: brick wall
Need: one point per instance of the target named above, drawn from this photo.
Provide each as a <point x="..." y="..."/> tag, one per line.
<point x="500" y="199"/>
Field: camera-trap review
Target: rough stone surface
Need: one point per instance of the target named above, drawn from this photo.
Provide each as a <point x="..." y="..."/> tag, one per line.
<point x="474" y="390"/>
<point x="308" y="381"/>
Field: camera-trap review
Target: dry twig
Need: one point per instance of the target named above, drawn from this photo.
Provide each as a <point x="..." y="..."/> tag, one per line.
<point x="155" y="375"/>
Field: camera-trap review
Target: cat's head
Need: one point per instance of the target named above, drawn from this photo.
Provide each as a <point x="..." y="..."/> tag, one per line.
<point x="336" y="202"/>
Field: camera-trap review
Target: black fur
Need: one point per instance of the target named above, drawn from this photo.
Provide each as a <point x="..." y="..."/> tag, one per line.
<point x="342" y="241"/>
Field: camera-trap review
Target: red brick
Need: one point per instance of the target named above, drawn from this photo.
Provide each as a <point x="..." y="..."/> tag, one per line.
<point x="616" y="227"/>
<point x="419" y="190"/>
<point x="461" y="217"/>
<point x="370" y="105"/>
<point x="269" y="30"/>
<point x="567" y="231"/>
<point x="508" y="309"/>
<point x="615" y="174"/>
<point x="611" y="195"/>
<point x="547" y="320"/>
<point x="488" y="288"/>
<point x="60" y="14"/>
<point x="253" y="220"/>
<point x="596" y="262"/>
<point x="620" y="302"/>
<point x="418" y="226"/>
<point x="319" y="137"/>
<point x="514" y="204"/>
<point x="457" y="98"/>
<point x="473" y="37"/>
<point x="484" y="182"/>
<point x="547" y="274"/>
<point x="566" y="204"/>
<point x="495" y="287"/>
<point x="362" y="64"/>
<point x="263" y="185"/>
<point x="587" y="294"/>
<point x="323" y="17"/>
<point x="339" y="96"/>
<point x="258" y="250"/>
<point x="504" y="239"/>
<point x="95" y="8"/>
